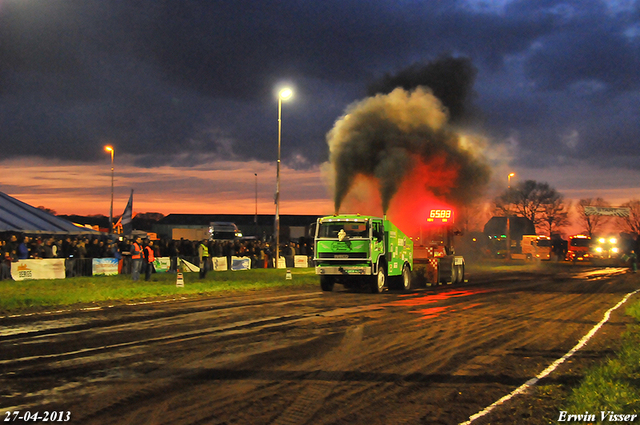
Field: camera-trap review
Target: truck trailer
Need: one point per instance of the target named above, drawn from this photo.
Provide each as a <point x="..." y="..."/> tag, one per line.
<point x="434" y="255"/>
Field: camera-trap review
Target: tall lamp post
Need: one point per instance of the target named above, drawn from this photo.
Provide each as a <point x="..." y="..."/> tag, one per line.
<point x="255" y="217"/>
<point x="112" y="151"/>
<point x="509" y="218"/>
<point x="284" y="94"/>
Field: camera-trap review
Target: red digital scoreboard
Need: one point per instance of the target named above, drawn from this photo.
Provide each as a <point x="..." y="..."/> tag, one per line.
<point x="440" y="216"/>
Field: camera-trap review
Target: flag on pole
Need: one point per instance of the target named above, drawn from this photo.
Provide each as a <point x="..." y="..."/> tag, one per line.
<point x="127" y="215"/>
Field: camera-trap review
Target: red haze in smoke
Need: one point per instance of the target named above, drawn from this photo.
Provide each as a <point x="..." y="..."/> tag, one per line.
<point x="415" y="198"/>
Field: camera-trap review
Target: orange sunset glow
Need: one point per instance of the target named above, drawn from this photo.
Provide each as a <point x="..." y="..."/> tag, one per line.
<point x="215" y="188"/>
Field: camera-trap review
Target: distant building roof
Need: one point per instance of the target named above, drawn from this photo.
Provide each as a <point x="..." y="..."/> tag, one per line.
<point x="239" y="219"/>
<point x="518" y="226"/>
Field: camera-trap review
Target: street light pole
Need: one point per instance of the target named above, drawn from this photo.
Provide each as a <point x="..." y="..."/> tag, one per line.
<point x="112" y="151"/>
<point x="508" y="219"/>
<point x="283" y="95"/>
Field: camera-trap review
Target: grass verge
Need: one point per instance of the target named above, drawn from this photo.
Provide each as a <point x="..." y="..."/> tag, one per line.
<point x="34" y="295"/>
<point x="614" y="385"/>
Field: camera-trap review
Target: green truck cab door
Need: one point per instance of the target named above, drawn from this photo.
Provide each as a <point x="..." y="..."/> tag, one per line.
<point x="377" y="240"/>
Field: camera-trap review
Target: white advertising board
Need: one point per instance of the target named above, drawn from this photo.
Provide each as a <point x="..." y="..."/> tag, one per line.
<point x="301" y="261"/>
<point x="46" y="268"/>
<point x="104" y="266"/>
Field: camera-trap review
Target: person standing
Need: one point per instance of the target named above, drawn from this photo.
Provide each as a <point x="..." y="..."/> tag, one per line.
<point x="23" y="249"/>
<point x="5" y="262"/>
<point x="633" y="259"/>
<point x="136" y="258"/>
<point x="203" y="253"/>
<point x="150" y="257"/>
<point x="12" y="248"/>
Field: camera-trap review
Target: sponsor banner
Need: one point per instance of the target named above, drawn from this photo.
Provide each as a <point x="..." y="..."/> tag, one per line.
<point x="47" y="268"/>
<point x="300" y="261"/>
<point x="282" y="263"/>
<point x="162" y="264"/>
<point x="219" y="264"/>
<point x="240" y="263"/>
<point x="612" y="212"/>
<point x="104" y="266"/>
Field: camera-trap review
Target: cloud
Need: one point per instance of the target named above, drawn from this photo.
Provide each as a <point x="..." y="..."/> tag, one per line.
<point x="182" y="84"/>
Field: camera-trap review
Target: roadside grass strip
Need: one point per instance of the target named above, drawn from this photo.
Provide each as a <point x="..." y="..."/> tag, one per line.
<point x="29" y="296"/>
<point x="533" y="381"/>
<point x="613" y="387"/>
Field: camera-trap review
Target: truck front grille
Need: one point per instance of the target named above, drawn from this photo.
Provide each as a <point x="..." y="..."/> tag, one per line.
<point x="342" y="256"/>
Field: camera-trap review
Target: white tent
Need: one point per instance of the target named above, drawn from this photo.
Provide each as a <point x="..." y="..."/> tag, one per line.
<point x="16" y="216"/>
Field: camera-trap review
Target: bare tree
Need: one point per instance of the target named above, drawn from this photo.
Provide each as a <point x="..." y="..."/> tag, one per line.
<point x="526" y="199"/>
<point x="472" y="217"/>
<point x="556" y="215"/>
<point x="631" y="224"/>
<point x="592" y="224"/>
<point x="48" y="210"/>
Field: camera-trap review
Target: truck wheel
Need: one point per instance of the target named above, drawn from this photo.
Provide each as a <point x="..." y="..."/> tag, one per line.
<point x="406" y="278"/>
<point x="326" y="283"/>
<point x="454" y="275"/>
<point x="379" y="280"/>
<point x="460" y="273"/>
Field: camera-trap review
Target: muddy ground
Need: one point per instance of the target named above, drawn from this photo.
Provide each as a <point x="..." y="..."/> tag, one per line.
<point x="428" y="356"/>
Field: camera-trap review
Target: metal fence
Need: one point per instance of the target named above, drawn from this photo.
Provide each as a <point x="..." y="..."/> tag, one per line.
<point x="83" y="266"/>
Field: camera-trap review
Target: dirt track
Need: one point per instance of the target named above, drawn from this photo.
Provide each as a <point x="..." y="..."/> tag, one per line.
<point x="431" y="356"/>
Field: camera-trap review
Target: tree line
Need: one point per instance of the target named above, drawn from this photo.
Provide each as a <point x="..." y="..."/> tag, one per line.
<point x="550" y="212"/>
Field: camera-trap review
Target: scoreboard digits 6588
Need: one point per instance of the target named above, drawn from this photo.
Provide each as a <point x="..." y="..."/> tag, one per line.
<point x="440" y="216"/>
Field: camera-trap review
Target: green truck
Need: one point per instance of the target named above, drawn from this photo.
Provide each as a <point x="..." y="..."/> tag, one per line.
<point x="356" y="250"/>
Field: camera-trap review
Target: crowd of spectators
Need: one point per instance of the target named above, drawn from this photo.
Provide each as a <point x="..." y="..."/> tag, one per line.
<point x="77" y="249"/>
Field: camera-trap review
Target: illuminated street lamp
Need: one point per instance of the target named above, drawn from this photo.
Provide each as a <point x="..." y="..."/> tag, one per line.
<point x="509" y="218"/>
<point x="112" y="151"/>
<point x="284" y="94"/>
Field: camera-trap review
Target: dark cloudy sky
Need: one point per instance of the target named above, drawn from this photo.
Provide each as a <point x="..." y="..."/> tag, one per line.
<point x="187" y="84"/>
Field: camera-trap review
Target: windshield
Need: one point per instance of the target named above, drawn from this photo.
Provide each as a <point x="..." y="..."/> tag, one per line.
<point x="544" y="242"/>
<point x="352" y="230"/>
<point x="580" y="242"/>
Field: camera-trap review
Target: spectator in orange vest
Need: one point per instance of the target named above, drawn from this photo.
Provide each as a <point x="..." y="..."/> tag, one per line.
<point x="150" y="258"/>
<point x="136" y="258"/>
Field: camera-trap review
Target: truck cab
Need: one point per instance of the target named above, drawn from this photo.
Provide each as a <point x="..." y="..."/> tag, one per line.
<point x="578" y="248"/>
<point x="536" y="247"/>
<point x="356" y="250"/>
<point x="605" y="249"/>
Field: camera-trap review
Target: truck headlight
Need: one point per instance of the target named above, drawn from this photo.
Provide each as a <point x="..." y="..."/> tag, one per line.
<point x="614" y="250"/>
<point x="599" y="249"/>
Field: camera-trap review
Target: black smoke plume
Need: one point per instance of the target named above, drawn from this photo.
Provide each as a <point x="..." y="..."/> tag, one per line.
<point x="450" y="80"/>
<point x="386" y="136"/>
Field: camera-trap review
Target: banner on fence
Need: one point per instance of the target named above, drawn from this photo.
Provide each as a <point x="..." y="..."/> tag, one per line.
<point x="162" y="264"/>
<point x="282" y="263"/>
<point x="240" y="263"/>
<point x="104" y="266"/>
<point x="47" y="268"/>
<point x="219" y="264"/>
<point x="301" y="261"/>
